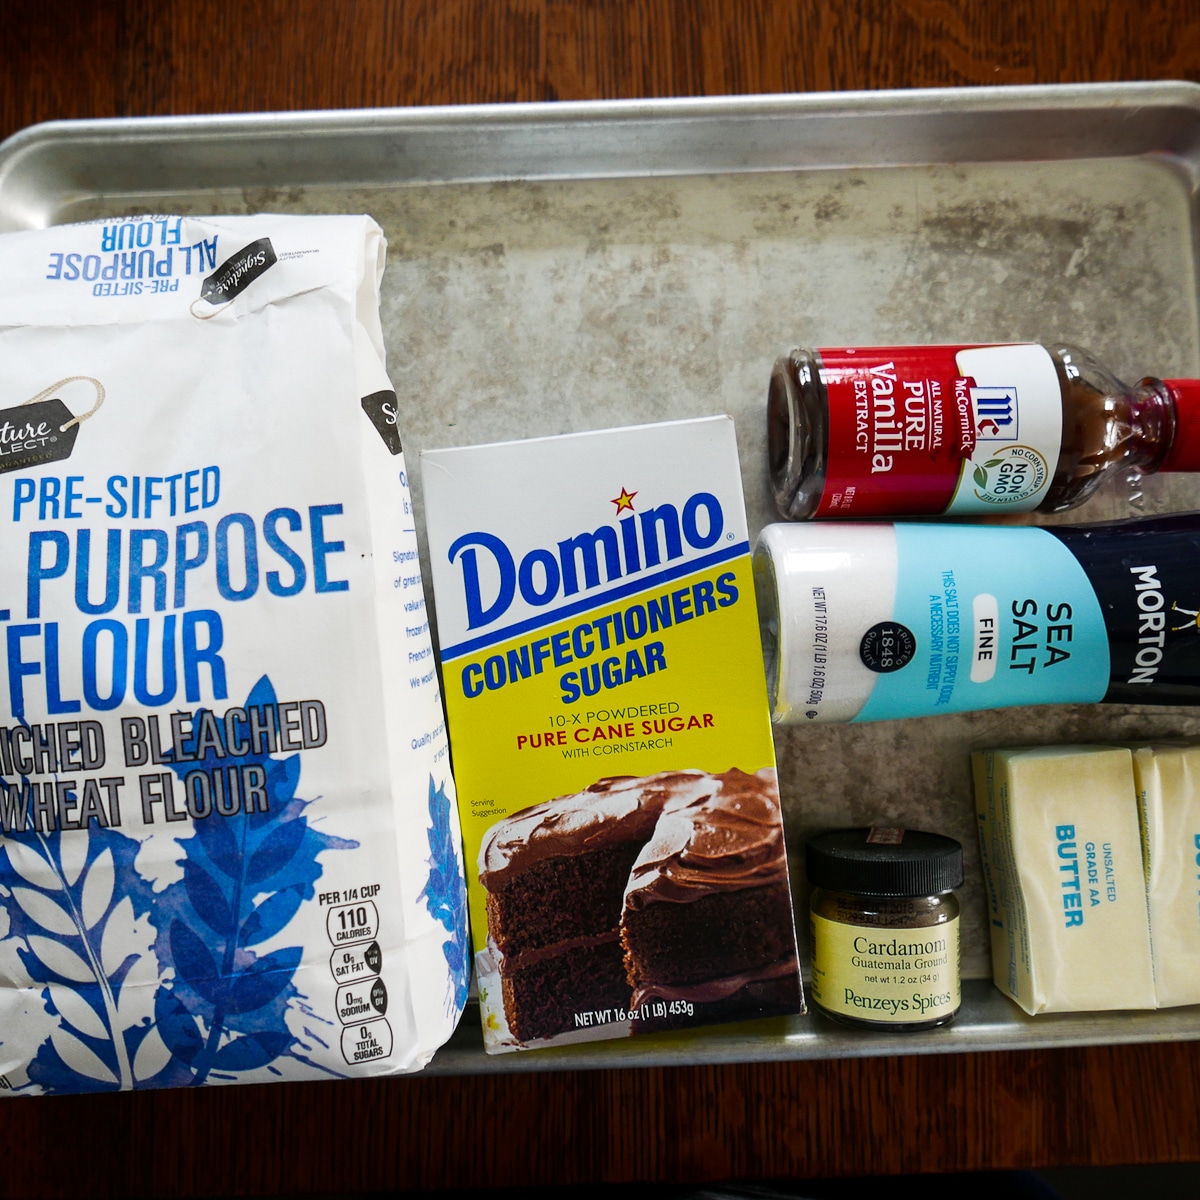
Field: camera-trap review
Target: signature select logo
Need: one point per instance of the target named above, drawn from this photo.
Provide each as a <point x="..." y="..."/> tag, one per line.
<point x="383" y="410"/>
<point x="43" y="429"/>
<point x="16" y="438"/>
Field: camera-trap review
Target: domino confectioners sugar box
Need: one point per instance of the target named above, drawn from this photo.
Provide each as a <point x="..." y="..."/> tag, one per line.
<point x="608" y="720"/>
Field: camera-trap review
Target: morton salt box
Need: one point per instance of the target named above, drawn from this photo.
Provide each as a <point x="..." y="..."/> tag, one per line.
<point x="608" y="720"/>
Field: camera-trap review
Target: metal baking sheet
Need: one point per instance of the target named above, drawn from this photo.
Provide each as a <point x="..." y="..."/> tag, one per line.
<point x="562" y="267"/>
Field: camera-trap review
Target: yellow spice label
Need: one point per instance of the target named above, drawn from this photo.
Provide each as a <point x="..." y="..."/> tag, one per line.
<point x="894" y="976"/>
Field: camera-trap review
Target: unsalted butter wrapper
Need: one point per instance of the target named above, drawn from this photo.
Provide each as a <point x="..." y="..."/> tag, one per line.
<point x="1168" y="783"/>
<point x="1062" y="863"/>
<point x="228" y="841"/>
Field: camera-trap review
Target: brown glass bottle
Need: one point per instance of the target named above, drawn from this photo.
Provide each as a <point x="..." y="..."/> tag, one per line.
<point x="1105" y="425"/>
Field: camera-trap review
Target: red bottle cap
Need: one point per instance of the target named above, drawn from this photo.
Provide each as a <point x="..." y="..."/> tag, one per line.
<point x="1184" y="454"/>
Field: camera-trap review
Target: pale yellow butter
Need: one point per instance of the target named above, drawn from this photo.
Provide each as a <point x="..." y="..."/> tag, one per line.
<point x="1062" y="862"/>
<point x="1168" y="784"/>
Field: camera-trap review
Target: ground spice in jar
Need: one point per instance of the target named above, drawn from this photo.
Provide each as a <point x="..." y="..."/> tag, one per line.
<point x="885" y="946"/>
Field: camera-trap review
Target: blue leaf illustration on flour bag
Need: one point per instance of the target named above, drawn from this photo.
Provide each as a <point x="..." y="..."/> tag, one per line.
<point x="445" y="892"/>
<point x="79" y="921"/>
<point x="244" y="879"/>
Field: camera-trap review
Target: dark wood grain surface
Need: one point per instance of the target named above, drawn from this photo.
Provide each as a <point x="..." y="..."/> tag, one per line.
<point x="67" y="58"/>
<point x="137" y="57"/>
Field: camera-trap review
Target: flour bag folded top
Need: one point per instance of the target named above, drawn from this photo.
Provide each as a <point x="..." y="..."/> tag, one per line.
<point x="229" y="848"/>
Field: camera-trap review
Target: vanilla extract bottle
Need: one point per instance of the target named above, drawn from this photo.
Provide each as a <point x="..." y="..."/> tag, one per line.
<point x="965" y="430"/>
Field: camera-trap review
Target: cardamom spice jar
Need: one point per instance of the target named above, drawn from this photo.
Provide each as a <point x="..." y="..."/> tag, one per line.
<point x="885" y="948"/>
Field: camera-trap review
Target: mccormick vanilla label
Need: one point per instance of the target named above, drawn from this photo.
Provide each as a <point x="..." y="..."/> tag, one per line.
<point x="939" y="429"/>
<point x="598" y="631"/>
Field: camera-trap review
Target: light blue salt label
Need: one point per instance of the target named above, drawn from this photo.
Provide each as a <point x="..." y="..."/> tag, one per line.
<point x="985" y="619"/>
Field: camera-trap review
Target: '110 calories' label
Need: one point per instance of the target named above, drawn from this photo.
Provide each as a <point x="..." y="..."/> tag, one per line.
<point x="939" y="429"/>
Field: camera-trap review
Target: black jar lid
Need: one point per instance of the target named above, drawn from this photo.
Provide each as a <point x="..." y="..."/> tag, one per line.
<point x="885" y="862"/>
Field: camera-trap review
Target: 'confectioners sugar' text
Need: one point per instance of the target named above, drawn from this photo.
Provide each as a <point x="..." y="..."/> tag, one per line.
<point x="646" y="550"/>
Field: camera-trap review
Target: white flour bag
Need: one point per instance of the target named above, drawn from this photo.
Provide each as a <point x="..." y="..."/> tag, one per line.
<point x="228" y="839"/>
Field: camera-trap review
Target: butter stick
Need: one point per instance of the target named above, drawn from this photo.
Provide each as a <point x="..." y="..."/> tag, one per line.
<point x="1168" y="784"/>
<point x="1062" y="867"/>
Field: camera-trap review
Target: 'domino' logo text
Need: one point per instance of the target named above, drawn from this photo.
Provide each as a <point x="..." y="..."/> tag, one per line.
<point x="632" y="543"/>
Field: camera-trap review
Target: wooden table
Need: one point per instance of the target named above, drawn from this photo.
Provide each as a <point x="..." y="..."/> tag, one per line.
<point x="1101" y="1105"/>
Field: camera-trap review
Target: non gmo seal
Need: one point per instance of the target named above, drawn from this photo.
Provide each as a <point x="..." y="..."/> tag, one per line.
<point x="1013" y="475"/>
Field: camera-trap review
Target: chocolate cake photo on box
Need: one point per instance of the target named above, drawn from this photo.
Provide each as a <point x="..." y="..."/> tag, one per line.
<point x="638" y="904"/>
